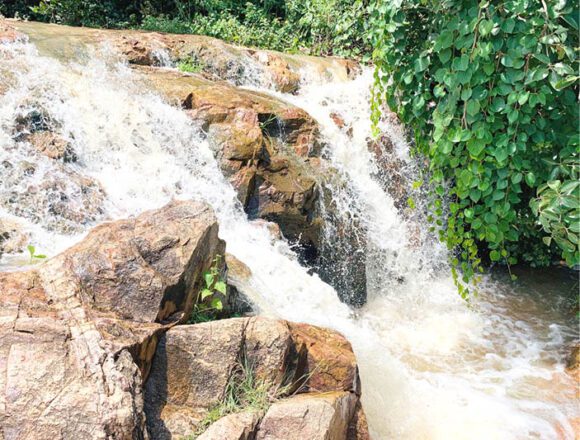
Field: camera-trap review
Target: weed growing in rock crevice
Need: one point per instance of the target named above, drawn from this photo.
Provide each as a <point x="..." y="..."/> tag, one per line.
<point x="209" y="301"/>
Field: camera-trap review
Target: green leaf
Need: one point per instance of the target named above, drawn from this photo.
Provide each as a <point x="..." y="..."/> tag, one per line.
<point x="472" y="107"/>
<point x="444" y="40"/>
<point x="494" y="255"/>
<point x="206" y="293"/>
<point x="517" y="178"/>
<point x="461" y="63"/>
<point x="530" y="179"/>
<point x="421" y="64"/>
<point x="475" y="147"/>
<point x="221" y="287"/>
<point x="209" y="278"/>
<point x="500" y="154"/>
<point x="217" y="304"/>
<point x="485" y="27"/>
<point x="563" y="69"/>
<point x="566" y="82"/>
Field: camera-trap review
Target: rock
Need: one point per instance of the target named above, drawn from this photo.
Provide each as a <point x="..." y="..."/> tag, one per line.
<point x="57" y="196"/>
<point x="161" y="254"/>
<point x="142" y="48"/>
<point x="8" y="34"/>
<point x="237" y="426"/>
<point x="358" y="428"/>
<point x="238" y="276"/>
<point x="283" y="78"/>
<point x="330" y="362"/>
<point x="338" y="120"/>
<point x="267" y="345"/>
<point x="263" y="146"/>
<point x="190" y="376"/>
<point x="271" y="227"/>
<point x="77" y="332"/>
<point x="573" y="362"/>
<point x="13" y="238"/>
<point x="323" y="416"/>
<point x="390" y="169"/>
<point x="215" y="58"/>
<point x="52" y="146"/>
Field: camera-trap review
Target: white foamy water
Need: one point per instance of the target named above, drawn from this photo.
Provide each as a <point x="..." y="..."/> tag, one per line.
<point x="431" y="367"/>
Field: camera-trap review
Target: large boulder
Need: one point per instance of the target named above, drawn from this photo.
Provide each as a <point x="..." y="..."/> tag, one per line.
<point x="190" y="378"/>
<point x="78" y="333"/>
<point x="330" y="362"/>
<point x="266" y="147"/>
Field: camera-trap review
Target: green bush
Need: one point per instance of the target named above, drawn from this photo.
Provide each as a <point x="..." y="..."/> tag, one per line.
<point x="311" y="26"/>
<point x="490" y="91"/>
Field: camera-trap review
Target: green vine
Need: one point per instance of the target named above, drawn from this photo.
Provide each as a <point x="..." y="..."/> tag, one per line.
<point x="490" y="91"/>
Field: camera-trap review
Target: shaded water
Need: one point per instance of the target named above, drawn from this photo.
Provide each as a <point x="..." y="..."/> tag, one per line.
<point x="431" y="367"/>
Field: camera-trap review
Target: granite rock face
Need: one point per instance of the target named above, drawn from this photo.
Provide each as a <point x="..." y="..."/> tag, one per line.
<point x="309" y="372"/>
<point x="78" y="333"/>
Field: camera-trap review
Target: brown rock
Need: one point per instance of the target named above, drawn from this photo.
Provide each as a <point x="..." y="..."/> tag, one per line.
<point x="237" y="426"/>
<point x="13" y="238"/>
<point x="330" y="363"/>
<point x="311" y="416"/>
<point x="52" y="146"/>
<point x="215" y="58"/>
<point x="256" y="139"/>
<point x="238" y="276"/>
<point x="267" y="345"/>
<point x="8" y="34"/>
<point x="283" y="78"/>
<point x="358" y="428"/>
<point x="62" y="199"/>
<point x="337" y="119"/>
<point x="573" y="363"/>
<point x="190" y="375"/>
<point x="77" y="332"/>
<point x="273" y="228"/>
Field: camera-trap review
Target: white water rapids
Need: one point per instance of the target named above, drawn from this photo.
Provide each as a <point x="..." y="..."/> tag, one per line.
<point x="431" y="367"/>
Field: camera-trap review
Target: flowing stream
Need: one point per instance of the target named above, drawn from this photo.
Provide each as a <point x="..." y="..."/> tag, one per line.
<point x="431" y="366"/>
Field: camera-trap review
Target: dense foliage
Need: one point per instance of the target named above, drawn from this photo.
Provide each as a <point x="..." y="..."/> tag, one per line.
<point x="320" y="27"/>
<point x="490" y="91"/>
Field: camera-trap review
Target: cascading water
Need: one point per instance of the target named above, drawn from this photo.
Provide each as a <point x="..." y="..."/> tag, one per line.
<point x="431" y="367"/>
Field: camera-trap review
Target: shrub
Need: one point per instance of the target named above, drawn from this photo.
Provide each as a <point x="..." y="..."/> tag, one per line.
<point x="489" y="90"/>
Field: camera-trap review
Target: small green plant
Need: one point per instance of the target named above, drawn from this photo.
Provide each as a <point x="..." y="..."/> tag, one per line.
<point x="244" y="392"/>
<point x="33" y="255"/>
<point x="190" y="66"/>
<point x="209" y="303"/>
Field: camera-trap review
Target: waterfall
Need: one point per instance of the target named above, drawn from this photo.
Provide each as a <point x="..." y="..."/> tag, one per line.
<point x="431" y="367"/>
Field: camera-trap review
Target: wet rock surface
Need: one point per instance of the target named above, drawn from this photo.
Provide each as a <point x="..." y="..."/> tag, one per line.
<point x="265" y="146"/>
<point x="269" y="150"/>
<point x="13" y="237"/>
<point x="212" y="57"/>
